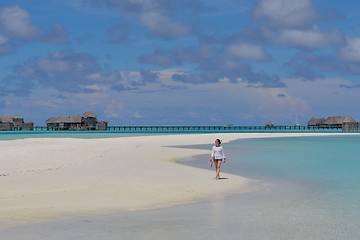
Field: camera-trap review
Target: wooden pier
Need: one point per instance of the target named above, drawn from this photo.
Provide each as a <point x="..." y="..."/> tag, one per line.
<point x="210" y="129"/>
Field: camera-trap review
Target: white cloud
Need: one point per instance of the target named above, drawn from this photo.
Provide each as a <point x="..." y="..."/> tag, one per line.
<point x="132" y="78"/>
<point x="305" y="38"/>
<point x="162" y="25"/>
<point x="53" y="65"/>
<point x="16" y="22"/>
<point x="247" y="52"/>
<point x="159" y="17"/>
<point x="286" y="13"/>
<point x="351" y="52"/>
<point x="166" y="74"/>
<point x="4" y="45"/>
<point x="95" y="88"/>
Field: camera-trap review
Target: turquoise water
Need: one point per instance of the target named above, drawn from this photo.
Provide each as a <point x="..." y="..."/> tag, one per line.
<point x="330" y="162"/>
<point x="14" y="135"/>
<point x="315" y="187"/>
<point x="309" y="190"/>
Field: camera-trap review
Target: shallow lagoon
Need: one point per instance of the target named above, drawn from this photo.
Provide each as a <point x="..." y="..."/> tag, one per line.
<point x="310" y="191"/>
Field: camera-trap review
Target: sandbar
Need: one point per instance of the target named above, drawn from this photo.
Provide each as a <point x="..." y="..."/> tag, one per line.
<point x="49" y="179"/>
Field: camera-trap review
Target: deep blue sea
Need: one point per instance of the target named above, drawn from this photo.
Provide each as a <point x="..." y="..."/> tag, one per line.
<point x="310" y="189"/>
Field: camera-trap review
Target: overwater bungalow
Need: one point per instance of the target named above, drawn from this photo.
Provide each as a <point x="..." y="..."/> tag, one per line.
<point x="85" y="121"/>
<point x="15" y="123"/>
<point x="333" y="121"/>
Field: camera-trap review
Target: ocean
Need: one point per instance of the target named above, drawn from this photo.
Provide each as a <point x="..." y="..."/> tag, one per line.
<point x="309" y="190"/>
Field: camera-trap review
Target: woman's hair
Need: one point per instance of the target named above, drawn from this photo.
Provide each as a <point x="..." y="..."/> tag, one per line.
<point x="218" y="140"/>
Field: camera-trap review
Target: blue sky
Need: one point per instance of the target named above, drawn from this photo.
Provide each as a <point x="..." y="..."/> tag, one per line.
<point x="180" y="62"/>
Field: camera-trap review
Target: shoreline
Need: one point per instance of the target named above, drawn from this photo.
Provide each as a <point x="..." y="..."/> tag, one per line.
<point x="56" y="179"/>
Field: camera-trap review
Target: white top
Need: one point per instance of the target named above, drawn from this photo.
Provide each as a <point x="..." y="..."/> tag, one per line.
<point x="217" y="153"/>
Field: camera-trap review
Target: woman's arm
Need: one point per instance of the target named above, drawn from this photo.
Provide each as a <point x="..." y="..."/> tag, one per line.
<point x="223" y="154"/>
<point x="212" y="153"/>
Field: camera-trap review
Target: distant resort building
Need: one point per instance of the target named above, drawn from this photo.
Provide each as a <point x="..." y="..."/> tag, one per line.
<point x="269" y="124"/>
<point x="85" y="121"/>
<point x="336" y="121"/>
<point x="15" y="123"/>
<point x="347" y="123"/>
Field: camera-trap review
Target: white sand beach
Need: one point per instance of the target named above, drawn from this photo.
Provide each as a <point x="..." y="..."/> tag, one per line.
<point x="57" y="178"/>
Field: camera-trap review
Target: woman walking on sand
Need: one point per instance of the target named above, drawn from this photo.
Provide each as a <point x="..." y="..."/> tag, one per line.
<point x="217" y="156"/>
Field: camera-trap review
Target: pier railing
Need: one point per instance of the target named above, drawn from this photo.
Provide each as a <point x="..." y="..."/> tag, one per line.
<point x="211" y="129"/>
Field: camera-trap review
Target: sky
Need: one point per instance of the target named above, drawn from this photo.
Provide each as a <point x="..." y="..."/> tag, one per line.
<point x="180" y="62"/>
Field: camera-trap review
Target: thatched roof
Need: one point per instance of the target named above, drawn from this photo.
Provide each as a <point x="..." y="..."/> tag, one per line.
<point x="65" y="119"/>
<point x="9" y="119"/>
<point x="71" y="119"/>
<point x="334" y="120"/>
<point x="316" y="121"/>
<point x="88" y="115"/>
<point x="51" y="120"/>
<point x="339" y="120"/>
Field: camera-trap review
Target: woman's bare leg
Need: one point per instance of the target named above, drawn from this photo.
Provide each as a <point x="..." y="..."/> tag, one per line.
<point x="217" y="167"/>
